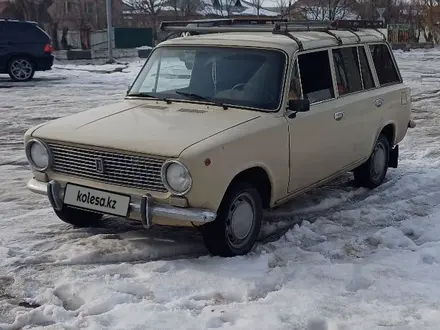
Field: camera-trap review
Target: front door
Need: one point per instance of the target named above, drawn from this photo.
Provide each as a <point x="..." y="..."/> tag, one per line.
<point x="318" y="147"/>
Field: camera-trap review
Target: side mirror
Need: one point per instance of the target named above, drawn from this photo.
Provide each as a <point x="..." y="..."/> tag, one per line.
<point x="302" y="105"/>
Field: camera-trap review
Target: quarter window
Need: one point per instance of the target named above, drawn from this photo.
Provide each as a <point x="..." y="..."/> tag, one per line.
<point x="316" y="77"/>
<point x="367" y="77"/>
<point x="385" y="68"/>
<point x="348" y="73"/>
<point x="295" y="84"/>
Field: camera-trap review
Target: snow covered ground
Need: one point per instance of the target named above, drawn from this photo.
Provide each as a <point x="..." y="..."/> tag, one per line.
<point x="360" y="259"/>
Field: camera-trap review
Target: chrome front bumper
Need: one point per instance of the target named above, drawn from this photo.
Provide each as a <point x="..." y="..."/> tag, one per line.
<point x="146" y="207"/>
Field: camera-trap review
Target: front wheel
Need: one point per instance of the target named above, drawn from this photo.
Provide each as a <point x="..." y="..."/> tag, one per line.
<point x="238" y="223"/>
<point x="372" y="173"/>
<point x="78" y="218"/>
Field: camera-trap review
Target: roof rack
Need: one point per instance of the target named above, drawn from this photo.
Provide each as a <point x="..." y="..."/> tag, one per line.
<point x="274" y="25"/>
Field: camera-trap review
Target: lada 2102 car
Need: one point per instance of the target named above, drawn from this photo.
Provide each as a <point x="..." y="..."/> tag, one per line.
<point x="224" y="123"/>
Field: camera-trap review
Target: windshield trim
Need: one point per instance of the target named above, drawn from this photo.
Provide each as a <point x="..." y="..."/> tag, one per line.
<point x="231" y="105"/>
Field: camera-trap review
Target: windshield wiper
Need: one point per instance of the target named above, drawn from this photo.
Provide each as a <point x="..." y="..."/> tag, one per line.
<point x="144" y="94"/>
<point x="203" y="98"/>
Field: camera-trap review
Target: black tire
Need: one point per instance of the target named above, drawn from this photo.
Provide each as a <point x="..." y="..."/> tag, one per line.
<point x="220" y="237"/>
<point x="372" y="173"/>
<point x="79" y="218"/>
<point x="21" y="69"/>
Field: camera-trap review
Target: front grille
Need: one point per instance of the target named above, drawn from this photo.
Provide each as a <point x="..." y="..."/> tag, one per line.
<point x="119" y="169"/>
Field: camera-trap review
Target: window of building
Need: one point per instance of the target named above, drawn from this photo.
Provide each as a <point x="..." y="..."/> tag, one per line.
<point x="68" y="7"/>
<point x="89" y="7"/>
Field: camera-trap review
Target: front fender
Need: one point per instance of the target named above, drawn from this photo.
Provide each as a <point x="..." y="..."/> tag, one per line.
<point x="260" y="143"/>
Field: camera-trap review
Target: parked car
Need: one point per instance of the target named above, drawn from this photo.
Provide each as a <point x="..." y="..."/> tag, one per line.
<point x="24" y="49"/>
<point x="220" y="126"/>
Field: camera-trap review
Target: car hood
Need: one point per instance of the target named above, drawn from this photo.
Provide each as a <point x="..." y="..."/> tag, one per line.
<point x="153" y="128"/>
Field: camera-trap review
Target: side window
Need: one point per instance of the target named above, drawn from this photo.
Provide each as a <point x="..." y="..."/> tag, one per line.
<point x="367" y="77"/>
<point x="25" y="32"/>
<point x="316" y="77"/>
<point x="348" y="74"/>
<point x="386" y="71"/>
<point x="295" y="84"/>
<point x="4" y="35"/>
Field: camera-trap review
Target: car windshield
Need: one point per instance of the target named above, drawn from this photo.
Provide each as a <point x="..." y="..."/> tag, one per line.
<point x="243" y="77"/>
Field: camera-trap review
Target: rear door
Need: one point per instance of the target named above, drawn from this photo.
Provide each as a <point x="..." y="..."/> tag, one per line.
<point x="357" y="99"/>
<point x="392" y="95"/>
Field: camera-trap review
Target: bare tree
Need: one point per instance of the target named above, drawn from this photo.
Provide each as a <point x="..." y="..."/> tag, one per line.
<point x="326" y="9"/>
<point x="222" y="8"/>
<point x="282" y="7"/>
<point x="191" y="7"/>
<point x="258" y="5"/>
<point x="185" y="8"/>
<point x="82" y="13"/>
<point x="37" y="11"/>
<point x="176" y="6"/>
<point x="432" y="8"/>
<point x="416" y="9"/>
<point x="150" y="10"/>
<point x="32" y="10"/>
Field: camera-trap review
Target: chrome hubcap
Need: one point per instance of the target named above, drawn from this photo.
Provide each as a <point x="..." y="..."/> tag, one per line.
<point x="21" y="69"/>
<point x="241" y="219"/>
<point x="379" y="159"/>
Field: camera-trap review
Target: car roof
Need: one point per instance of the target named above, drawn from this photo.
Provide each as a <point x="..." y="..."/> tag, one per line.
<point x="309" y="39"/>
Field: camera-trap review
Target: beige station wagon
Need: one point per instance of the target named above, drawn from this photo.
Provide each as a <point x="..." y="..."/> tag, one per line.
<point x="235" y="118"/>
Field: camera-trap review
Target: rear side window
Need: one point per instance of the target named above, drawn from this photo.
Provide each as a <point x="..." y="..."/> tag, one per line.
<point x="316" y="77"/>
<point x="25" y="31"/>
<point x="348" y="73"/>
<point x="385" y="68"/>
<point x="2" y="30"/>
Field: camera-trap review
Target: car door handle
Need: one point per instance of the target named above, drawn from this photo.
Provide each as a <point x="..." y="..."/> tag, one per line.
<point x="379" y="102"/>
<point x="338" y="115"/>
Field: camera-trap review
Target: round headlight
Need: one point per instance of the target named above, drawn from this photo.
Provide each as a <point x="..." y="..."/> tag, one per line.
<point x="176" y="177"/>
<point x="38" y="155"/>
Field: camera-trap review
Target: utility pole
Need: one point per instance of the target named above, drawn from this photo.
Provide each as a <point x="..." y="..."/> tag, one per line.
<point x="109" y="31"/>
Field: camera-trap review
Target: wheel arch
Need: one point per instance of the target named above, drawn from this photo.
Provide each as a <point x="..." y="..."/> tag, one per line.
<point x="23" y="55"/>
<point x="389" y="130"/>
<point x="257" y="176"/>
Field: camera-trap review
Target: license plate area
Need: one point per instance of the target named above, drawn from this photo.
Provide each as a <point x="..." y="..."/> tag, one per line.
<point x="96" y="200"/>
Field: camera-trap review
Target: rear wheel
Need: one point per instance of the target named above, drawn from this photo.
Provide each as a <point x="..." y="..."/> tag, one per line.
<point x="21" y="69"/>
<point x="78" y="218"/>
<point x="238" y="223"/>
<point x="372" y="173"/>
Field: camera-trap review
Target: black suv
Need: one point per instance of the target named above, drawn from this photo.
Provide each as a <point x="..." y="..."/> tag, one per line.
<point x="24" y="49"/>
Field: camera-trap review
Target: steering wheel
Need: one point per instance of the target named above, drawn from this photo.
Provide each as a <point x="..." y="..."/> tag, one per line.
<point x="269" y="96"/>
